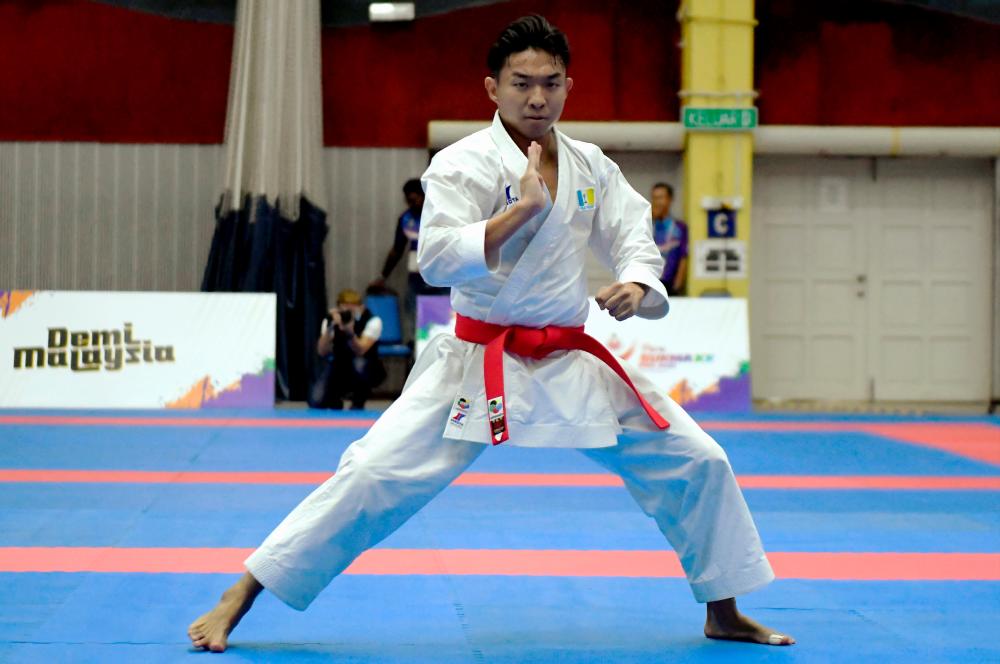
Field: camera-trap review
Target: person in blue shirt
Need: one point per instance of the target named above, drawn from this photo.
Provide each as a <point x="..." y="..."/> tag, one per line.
<point x="671" y="237"/>
<point x="404" y="244"/>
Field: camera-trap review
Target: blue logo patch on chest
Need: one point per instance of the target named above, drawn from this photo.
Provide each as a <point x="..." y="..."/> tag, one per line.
<point x="586" y="198"/>
<point x="510" y="199"/>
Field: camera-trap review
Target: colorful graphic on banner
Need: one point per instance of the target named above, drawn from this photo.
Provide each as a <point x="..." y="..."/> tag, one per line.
<point x="11" y="301"/>
<point x="136" y="350"/>
<point x="248" y="389"/>
<point x="699" y="354"/>
<point x="434" y="317"/>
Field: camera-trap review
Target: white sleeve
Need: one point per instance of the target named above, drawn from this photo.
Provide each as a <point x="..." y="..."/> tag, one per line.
<point x="623" y="239"/>
<point x="322" y="328"/>
<point x="458" y="202"/>
<point x="373" y="328"/>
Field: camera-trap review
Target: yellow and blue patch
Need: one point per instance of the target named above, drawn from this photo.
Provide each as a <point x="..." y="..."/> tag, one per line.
<point x="585" y="198"/>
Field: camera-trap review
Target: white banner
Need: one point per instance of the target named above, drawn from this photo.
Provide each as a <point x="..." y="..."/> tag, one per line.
<point x="78" y="349"/>
<point x="699" y="354"/>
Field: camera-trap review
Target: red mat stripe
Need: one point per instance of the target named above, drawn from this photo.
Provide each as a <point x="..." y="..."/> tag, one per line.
<point x="973" y="441"/>
<point x="133" y="421"/>
<point x="833" y="482"/>
<point x="655" y="564"/>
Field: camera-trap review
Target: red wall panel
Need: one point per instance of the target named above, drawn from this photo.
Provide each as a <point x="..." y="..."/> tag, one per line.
<point x="859" y="62"/>
<point x="86" y="71"/>
<point x="82" y="71"/>
<point x="383" y="84"/>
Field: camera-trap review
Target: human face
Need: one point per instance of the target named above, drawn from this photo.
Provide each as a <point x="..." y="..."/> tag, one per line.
<point x="415" y="202"/>
<point x="660" y="202"/>
<point x="530" y="92"/>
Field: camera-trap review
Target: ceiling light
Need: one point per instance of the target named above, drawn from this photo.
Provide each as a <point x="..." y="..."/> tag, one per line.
<point x="391" y="11"/>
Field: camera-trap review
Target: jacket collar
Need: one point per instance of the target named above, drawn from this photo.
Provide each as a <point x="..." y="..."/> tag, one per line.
<point x="511" y="154"/>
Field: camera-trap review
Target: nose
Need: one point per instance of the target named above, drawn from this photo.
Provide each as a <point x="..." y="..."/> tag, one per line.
<point x="537" y="99"/>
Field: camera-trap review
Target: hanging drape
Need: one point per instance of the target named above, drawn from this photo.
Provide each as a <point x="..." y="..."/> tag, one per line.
<point x="270" y="221"/>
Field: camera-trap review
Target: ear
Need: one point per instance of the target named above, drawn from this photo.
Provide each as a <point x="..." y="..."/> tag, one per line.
<point x="490" y="84"/>
<point x="569" y="84"/>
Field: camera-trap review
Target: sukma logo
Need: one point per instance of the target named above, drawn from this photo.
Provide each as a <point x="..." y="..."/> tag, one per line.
<point x="91" y="350"/>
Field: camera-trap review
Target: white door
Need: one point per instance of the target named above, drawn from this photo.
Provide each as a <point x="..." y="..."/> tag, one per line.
<point x="808" y="253"/>
<point x="930" y="285"/>
<point x="870" y="279"/>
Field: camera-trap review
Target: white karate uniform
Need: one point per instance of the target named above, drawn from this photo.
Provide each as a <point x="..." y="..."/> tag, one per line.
<point x="680" y="477"/>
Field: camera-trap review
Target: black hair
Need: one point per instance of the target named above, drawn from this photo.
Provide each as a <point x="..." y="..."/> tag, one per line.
<point x="412" y="187"/>
<point x="664" y="185"/>
<point x="527" y="32"/>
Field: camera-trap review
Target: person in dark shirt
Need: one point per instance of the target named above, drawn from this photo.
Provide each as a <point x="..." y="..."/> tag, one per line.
<point x="671" y="237"/>
<point x="404" y="244"/>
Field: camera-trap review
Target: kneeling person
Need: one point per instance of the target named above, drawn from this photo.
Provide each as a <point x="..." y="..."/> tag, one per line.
<point x="348" y="345"/>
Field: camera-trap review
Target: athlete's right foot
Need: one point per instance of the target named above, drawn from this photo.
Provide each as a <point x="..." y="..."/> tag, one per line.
<point x="211" y="631"/>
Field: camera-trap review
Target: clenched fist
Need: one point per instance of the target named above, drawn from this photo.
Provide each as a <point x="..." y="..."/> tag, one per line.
<point x="621" y="300"/>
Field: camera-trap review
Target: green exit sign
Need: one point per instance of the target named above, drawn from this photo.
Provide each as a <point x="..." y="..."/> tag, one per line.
<point x="720" y="119"/>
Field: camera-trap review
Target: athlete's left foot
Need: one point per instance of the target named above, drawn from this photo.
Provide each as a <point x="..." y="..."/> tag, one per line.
<point x="724" y="621"/>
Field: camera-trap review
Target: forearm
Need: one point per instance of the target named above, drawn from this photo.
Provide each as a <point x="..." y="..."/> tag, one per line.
<point x="325" y="344"/>
<point x="681" y="275"/>
<point x="502" y="227"/>
<point x="391" y="260"/>
<point x="360" y="345"/>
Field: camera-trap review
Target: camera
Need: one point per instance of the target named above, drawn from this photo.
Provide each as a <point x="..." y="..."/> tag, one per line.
<point x="346" y="316"/>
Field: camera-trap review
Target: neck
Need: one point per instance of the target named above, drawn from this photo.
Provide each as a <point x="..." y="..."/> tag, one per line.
<point x="547" y="140"/>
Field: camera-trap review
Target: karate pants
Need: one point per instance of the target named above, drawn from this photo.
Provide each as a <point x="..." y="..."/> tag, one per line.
<point x="680" y="477"/>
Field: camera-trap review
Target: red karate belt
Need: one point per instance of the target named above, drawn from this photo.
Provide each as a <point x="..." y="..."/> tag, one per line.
<point x="535" y="343"/>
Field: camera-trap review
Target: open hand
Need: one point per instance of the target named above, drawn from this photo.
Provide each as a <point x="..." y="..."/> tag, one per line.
<point x="621" y="300"/>
<point x="533" y="192"/>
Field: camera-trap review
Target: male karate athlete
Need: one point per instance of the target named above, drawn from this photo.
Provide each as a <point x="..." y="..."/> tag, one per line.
<point x="509" y="214"/>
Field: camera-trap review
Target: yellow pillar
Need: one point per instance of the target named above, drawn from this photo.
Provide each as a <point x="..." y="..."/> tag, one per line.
<point x="717" y="71"/>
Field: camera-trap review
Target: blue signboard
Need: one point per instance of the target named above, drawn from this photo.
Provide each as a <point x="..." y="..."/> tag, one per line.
<point x="721" y="223"/>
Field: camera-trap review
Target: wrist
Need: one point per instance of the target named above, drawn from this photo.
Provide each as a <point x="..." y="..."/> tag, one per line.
<point x="525" y="210"/>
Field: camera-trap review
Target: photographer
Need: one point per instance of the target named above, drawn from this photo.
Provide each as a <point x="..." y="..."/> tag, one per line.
<point x="348" y="343"/>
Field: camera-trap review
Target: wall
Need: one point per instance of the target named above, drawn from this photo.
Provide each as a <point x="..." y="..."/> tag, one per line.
<point x="859" y="62"/>
<point x="102" y="73"/>
<point x="100" y="216"/>
<point x="83" y="71"/>
<point x="626" y="64"/>
<point x="91" y="216"/>
<point x="139" y="217"/>
<point x="368" y="200"/>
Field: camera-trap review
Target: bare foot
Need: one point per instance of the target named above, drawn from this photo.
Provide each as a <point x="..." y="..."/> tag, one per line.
<point x="724" y="621"/>
<point x="210" y="631"/>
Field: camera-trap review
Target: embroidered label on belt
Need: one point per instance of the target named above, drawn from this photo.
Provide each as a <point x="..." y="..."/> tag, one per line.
<point x="498" y="420"/>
